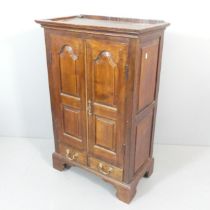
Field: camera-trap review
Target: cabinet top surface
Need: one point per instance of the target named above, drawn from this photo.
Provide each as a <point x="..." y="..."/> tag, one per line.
<point x="115" y="24"/>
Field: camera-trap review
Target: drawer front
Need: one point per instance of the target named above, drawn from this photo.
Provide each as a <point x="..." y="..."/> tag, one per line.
<point x="72" y="154"/>
<point x="105" y="168"/>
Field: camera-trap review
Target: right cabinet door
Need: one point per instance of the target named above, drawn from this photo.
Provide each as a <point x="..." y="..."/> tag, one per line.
<point x="105" y="64"/>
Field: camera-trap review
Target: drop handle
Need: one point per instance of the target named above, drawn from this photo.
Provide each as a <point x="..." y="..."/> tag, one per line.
<point x="104" y="170"/>
<point x="71" y="156"/>
<point x="89" y="107"/>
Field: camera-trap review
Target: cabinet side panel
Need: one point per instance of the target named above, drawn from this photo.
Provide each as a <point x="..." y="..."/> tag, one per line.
<point x="143" y="136"/>
<point x="157" y="89"/>
<point x="146" y="102"/>
<point x="146" y="84"/>
<point x="149" y="61"/>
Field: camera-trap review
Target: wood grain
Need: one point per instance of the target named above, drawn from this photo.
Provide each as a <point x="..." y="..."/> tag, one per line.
<point x="102" y="23"/>
<point x="69" y="152"/>
<point x="116" y="173"/>
<point x="67" y="67"/>
<point x="106" y="61"/>
<point x="104" y="76"/>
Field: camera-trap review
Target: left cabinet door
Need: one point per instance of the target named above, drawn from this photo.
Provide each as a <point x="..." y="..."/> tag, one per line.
<point x="67" y="87"/>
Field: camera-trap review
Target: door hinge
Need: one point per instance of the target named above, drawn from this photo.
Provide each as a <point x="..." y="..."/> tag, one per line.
<point x="126" y="71"/>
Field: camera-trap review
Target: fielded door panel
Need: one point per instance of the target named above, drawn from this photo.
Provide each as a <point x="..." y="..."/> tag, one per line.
<point x="67" y="66"/>
<point x="106" y="65"/>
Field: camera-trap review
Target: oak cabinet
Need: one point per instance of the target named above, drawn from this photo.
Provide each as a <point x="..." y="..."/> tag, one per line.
<point x="104" y="77"/>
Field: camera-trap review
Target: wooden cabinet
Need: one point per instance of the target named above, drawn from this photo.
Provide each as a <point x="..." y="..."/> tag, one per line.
<point x="104" y="77"/>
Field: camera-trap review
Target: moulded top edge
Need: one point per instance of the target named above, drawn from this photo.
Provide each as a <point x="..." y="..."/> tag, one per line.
<point x="90" y="22"/>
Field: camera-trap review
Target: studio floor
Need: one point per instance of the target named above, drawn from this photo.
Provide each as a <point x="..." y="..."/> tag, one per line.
<point x="181" y="180"/>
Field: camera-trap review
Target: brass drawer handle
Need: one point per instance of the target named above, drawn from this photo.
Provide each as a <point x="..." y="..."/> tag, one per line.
<point x="71" y="156"/>
<point x="103" y="170"/>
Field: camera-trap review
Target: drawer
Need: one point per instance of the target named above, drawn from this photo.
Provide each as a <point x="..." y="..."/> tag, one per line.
<point x="105" y="168"/>
<point x="73" y="154"/>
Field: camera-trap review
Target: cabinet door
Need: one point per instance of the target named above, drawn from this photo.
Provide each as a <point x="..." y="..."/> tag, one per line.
<point x="106" y="63"/>
<point x="68" y="89"/>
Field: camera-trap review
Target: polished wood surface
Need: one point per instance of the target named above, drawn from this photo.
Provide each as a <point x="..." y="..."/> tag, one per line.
<point x="106" y="61"/>
<point x="149" y="59"/>
<point x="73" y="154"/>
<point x="104" y="77"/>
<point x="114" y="24"/>
<point x="67" y="69"/>
<point x="106" y="169"/>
